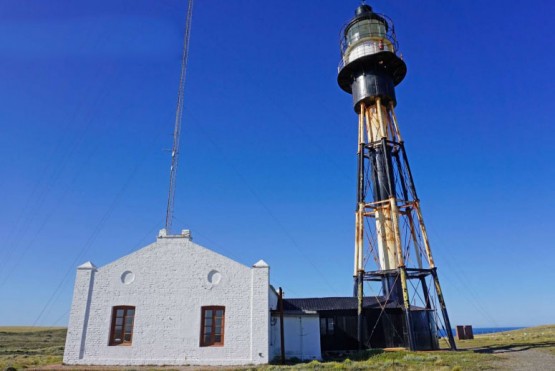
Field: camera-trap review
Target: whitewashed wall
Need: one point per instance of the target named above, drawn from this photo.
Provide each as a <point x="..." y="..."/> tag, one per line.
<point x="168" y="282"/>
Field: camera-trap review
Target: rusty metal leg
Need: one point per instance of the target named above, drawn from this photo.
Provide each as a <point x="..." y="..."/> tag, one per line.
<point x="360" y="297"/>
<point x="406" y="305"/>
<point x="444" y="310"/>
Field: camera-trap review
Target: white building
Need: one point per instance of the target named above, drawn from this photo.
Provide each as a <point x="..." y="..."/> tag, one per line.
<point x="301" y="335"/>
<point x="171" y="303"/>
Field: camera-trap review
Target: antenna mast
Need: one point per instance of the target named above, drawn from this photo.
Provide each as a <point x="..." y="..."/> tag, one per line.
<point x="178" y="117"/>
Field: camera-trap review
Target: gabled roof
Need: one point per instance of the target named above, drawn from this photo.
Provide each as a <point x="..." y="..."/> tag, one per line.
<point x="176" y="249"/>
<point x="334" y="303"/>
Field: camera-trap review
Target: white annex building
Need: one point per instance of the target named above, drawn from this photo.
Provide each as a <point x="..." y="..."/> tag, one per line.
<point x="172" y="302"/>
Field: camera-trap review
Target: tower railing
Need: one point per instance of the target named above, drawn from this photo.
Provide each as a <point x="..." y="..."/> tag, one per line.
<point x="363" y="48"/>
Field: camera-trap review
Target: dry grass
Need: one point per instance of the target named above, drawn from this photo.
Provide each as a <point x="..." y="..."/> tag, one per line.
<point x="23" y="347"/>
<point x="32" y="347"/>
<point x="541" y="338"/>
<point x="19" y="329"/>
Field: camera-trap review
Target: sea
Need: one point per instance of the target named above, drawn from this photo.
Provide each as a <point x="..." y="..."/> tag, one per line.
<point x="484" y="330"/>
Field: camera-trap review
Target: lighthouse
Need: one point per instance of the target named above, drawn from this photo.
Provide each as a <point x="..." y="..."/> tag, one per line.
<point x="391" y="242"/>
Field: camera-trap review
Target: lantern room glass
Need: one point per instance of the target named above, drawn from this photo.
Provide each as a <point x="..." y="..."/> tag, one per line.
<point x="366" y="28"/>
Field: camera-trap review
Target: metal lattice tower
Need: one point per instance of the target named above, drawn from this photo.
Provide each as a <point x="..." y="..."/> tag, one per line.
<point x="390" y="232"/>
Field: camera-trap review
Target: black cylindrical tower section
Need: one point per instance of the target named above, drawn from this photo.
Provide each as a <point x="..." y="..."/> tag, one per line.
<point x="369" y="66"/>
<point x="382" y="174"/>
<point x="372" y="84"/>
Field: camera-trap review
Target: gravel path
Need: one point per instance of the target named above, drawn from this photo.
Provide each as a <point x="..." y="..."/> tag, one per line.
<point x="525" y="359"/>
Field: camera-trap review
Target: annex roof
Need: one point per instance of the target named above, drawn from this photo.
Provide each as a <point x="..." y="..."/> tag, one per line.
<point x="333" y="303"/>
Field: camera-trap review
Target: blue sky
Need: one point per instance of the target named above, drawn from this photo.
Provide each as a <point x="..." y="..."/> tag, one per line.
<point x="268" y="165"/>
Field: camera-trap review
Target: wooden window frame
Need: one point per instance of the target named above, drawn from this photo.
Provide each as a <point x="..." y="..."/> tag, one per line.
<point x="124" y="326"/>
<point x="212" y="342"/>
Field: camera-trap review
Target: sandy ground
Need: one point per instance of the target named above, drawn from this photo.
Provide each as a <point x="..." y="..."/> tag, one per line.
<point x="524" y="359"/>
